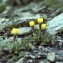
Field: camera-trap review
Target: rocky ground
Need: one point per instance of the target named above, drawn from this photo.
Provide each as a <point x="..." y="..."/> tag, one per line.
<point x="20" y="17"/>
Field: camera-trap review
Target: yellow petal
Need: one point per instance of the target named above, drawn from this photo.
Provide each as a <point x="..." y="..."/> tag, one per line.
<point x="43" y="26"/>
<point x="40" y="20"/>
<point x="31" y="23"/>
<point x="14" y="31"/>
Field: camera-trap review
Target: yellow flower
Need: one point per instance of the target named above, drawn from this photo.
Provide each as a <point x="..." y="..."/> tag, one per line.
<point x="43" y="26"/>
<point x="31" y="23"/>
<point x="14" y="31"/>
<point x="40" y="20"/>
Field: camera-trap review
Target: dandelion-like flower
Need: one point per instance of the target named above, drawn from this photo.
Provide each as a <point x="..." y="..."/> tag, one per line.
<point x="14" y="31"/>
<point x="43" y="26"/>
<point x="31" y="23"/>
<point x="40" y="20"/>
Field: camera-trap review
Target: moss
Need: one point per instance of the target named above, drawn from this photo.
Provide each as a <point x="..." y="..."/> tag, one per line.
<point x="50" y="2"/>
<point x="2" y="7"/>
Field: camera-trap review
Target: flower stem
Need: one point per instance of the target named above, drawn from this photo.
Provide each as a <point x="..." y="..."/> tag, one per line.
<point x="40" y="31"/>
<point x="43" y="31"/>
<point x="14" y="37"/>
<point x="33" y="30"/>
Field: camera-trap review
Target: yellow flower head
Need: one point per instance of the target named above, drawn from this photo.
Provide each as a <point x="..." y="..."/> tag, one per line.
<point x="40" y="20"/>
<point x="14" y="31"/>
<point x="31" y="23"/>
<point x="43" y="26"/>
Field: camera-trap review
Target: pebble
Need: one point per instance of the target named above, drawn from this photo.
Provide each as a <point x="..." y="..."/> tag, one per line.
<point x="58" y="62"/>
<point x="20" y="60"/>
<point x="41" y="48"/>
<point x="51" y="56"/>
<point x="44" y="61"/>
<point x="32" y="56"/>
<point x="41" y="62"/>
<point x="29" y="61"/>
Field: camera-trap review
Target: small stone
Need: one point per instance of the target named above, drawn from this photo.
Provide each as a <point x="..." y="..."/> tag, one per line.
<point x="35" y="51"/>
<point x="51" y="56"/>
<point x="27" y="53"/>
<point x="21" y="60"/>
<point x="41" y="62"/>
<point x="39" y="53"/>
<point x="59" y="45"/>
<point x="44" y="61"/>
<point x="32" y="56"/>
<point x="46" y="49"/>
<point x="41" y="48"/>
<point x="58" y="62"/>
<point x="38" y="56"/>
<point x="29" y="61"/>
<point x="6" y="20"/>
